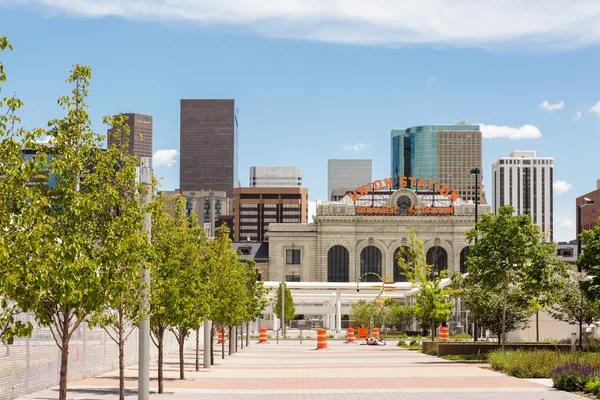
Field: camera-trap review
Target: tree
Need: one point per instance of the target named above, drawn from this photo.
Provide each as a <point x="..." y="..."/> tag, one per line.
<point x="289" y="307"/>
<point x="589" y="259"/>
<point x="487" y="309"/>
<point x="575" y="306"/>
<point x="256" y="292"/>
<point x="501" y="256"/>
<point x="363" y="313"/>
<point x="545" y="277"/>
<point x="398" y="316"/>
<point x="433" y="301"/>
<point x="59" y="271"/>
<point x="127" y="248"/>
<point x="13" y="196"/>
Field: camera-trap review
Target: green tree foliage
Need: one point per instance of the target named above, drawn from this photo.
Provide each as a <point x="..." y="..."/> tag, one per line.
<point x="575" y="306"/>
<point x="501" y="258"/>
<point x="289" y="307"/>
<point x="397" y="316"/>
<point x="365" y="314"/>
<point x="55" y="260"/>
<point x="434" y="302"/>
<point x="589" y="260"/>
<point x="486" y="309"/>
<point x="256" y="300"/>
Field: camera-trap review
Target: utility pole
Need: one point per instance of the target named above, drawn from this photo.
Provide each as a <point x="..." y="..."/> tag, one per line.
<point x="282" y="310"/>
<point x="145" y="177"/>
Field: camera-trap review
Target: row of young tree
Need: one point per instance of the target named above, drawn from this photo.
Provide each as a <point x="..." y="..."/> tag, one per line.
<point x="73" y="245"/>
<point x="513" y="274"/>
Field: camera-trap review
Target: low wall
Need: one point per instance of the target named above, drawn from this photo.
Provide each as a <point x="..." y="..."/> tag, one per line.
<point x="445" y="349"/>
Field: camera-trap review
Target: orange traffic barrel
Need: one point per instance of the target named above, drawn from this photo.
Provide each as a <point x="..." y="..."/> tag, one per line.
<point x="220" y="336"/>
<point x="444" y="334"/>
<point x="321" y="339"/>
<point x="350" y="335"/>
<point x="262" y="338"/>
<point x="375" y="332"/>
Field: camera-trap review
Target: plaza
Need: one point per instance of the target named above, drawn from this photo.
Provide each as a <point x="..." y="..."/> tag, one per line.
<point x="290" y="370"/>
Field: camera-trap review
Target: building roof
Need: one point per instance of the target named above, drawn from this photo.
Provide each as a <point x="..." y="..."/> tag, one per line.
<point x="257" y="251"/>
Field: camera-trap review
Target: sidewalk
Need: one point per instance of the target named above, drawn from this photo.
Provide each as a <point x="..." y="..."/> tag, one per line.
<point x="293" y="371"/>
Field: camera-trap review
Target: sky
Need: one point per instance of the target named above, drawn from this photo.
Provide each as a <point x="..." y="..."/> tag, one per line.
<point x="321" y="79"/>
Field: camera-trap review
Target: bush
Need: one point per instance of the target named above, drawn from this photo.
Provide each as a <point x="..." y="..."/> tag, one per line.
<point x="469" y="357"/>
<point x="593" y="386"/>
<point x="537" y="363"/>
<point x="461" y="336"/>
<point x="414" y="343"/>
<point x="432" y="351"/>
<point x="573" y="377"/>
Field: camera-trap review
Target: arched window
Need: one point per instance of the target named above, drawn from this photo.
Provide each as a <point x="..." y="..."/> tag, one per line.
<point x="437" y="257"/>
<point x="338" y="264"/>
<point x="464" y="253"/>
<point x="370" y="262"/>
<point x="399" y="275"/>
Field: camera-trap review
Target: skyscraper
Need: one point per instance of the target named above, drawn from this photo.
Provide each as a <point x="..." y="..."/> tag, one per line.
<point x="443" y="153"/>
<point x="140" y="135"/>
<point x="348" y="174"/>
<point x="525" y="182"/>
<point x="208" y="146"/>
<point x="590" y="212"/>
<point x="275" y="176"/>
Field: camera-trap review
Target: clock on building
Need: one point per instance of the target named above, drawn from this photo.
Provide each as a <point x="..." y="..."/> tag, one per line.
<point x="403" y="203"/>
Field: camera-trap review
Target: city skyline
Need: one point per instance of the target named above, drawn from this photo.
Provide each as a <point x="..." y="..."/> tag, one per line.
<point x="341" y="106"/>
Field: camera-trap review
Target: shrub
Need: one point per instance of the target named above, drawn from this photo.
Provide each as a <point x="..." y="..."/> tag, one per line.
<point x="461" y="336"/>
<point x="432" y="351"/>
<point x="537" y="363"/>
<point x="593" y="386"/>
<point x="330" y="336"/>
<point x="573" y="377"/>
<point x="461" y="357"/>
<point x="414" y="343"/>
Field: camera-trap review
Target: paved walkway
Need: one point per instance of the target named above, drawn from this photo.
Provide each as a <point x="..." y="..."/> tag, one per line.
<point x="346" y="372"/>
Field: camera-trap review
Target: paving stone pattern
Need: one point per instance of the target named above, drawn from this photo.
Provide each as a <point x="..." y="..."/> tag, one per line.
<point x="345" y="372"/>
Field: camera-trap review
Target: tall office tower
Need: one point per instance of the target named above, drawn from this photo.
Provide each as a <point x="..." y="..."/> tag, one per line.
<point x="275" y="176"/>
<point x="348" y="174"/>
<point x="140" y="135"/>
<point x="590" y="211"/>
<point x="443" y="153"/>
<point x="255" y="208"/>
<point x="525" y="182"/>
<point x="208" y="146"/>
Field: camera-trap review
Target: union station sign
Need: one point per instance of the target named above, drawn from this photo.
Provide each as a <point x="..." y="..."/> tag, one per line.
<point x="403" y="204"/>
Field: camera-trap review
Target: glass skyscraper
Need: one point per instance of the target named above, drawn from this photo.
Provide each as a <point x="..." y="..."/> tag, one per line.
<point x="444" y="153"/>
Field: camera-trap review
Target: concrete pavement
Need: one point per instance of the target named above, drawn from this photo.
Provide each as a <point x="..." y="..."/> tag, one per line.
<point x="293" y="371"/>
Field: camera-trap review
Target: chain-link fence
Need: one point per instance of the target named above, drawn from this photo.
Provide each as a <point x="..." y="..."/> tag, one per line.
<point x="33" y="364"/>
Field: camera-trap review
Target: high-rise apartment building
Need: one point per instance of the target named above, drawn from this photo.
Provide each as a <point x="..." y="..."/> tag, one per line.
<point x="275" y="176"/>
<point x="208" y="146"/>
<point x="443" y="153"/>
<point x="348" y="174"/>
<point x="256" y="207"/>
<point x="590" y="213"/>
<point x="524" y="181"/>
<point x="139" y="142"/>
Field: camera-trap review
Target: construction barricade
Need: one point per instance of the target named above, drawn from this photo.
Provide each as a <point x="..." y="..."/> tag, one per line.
<point x="350" y="335"/>
<point x="444" y="334"/>
<point x="221" y="336"/>
<point x="262" y="338"/>
<point x="375" y="332"/>
<point x="321" y="339"/>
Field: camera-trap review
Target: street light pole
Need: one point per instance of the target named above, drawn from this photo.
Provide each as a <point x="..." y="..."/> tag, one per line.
<point x="145" y="177"/>
<point x="476" y="172"/>
<point x="586" y="202"/>
<point x="282" y="310"/>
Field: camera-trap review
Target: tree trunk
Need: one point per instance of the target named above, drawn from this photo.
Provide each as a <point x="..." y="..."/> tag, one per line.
<point x="474" y="332"/>
<point x="181" y="342"/>
<point x="121" y="357"/>
<point x="503" y="319"/>
<point x="242" y="335"/>
<point x="230" y="340"/>
<point x="160" y="360"/>
<point x="64" y="360"/>
<point x="432" y="330"/>
<point x="537" y="326"/>
<point x="198" y="349"/>
<point x="580" y="336"/>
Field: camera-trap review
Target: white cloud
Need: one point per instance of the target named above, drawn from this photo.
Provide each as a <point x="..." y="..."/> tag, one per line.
<point x="431" y="81"/>
<point x="566" y="224"/>
<point x="45" y="140"/>
<point x="596" y="108"/>
<point x="561" y="186"/>
<point x="356" y="147"/>
<point x="555" y="24"/>
<point x="578" y="116"/>
<point x="164" y="158"/>
<point x="552" y="107"/>
<point x="508" y="132"/>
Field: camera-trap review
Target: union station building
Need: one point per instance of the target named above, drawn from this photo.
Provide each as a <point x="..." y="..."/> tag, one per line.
<point x="360" y="236"/>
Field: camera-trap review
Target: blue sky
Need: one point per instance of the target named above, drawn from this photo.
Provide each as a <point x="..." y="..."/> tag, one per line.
<point x="312" y="79"/>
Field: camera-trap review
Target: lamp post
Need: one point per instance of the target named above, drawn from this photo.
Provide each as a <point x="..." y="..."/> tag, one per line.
<point x="476" y="172"/>
<point x="586" y="202"/>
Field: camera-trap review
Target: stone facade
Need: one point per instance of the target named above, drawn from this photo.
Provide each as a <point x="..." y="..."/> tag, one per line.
<point x="339" y="224"/>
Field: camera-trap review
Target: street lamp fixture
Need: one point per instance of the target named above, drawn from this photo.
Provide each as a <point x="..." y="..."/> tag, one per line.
<point x="586" y="202"/>
<point x="476" y="172"/>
